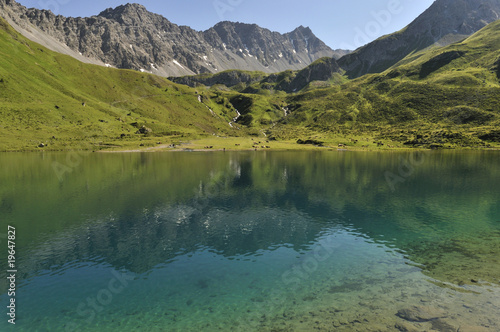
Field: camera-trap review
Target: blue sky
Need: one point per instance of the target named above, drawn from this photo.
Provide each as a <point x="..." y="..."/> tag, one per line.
<point x="339" y="23"/>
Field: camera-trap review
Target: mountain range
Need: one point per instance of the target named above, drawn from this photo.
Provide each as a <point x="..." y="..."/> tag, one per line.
<point x="130" y="37"/>
<point x="438" y="87"/>
<point x="443" y="23"/>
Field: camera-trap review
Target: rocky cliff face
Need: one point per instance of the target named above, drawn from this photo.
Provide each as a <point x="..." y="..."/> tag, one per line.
<point x="131" y="37"/>
<point x="445" y="22"/>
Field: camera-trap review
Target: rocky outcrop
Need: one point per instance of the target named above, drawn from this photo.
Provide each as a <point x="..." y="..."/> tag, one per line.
<point x="131" y="37"/>
<point x="445" y="22"/>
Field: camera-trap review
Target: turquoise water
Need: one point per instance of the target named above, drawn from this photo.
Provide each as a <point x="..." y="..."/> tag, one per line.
<point x="282" y="241"/>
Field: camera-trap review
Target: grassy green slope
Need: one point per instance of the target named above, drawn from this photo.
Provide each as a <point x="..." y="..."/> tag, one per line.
<point x="443" y="97"/>
<point x="53" y="99"/>
<point x="472" y="62"/>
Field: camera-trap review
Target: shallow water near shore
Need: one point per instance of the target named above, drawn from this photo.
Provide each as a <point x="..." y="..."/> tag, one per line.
<point x="253" y="241"/>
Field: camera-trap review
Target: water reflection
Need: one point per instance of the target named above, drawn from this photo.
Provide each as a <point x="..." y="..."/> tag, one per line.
<point x="139" y="210"/>
<point x="242" y="221"/>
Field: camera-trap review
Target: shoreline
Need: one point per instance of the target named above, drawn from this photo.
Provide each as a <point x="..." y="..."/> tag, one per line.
<point x="281" y="149"/>
<point x="243" y="144"/>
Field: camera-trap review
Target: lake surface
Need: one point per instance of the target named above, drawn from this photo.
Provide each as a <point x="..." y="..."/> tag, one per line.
<point x="253" y="241"/>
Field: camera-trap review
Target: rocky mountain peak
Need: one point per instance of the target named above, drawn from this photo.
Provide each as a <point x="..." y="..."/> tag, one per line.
<point x="129" y="14"/>
<point x="131" y="37"/>
<point x="4" y="3"/>
<point x="227" y="30"/>
<point x="234" y="25"/>
<point x="269" y="46"/>
<point x="303" y="30"/>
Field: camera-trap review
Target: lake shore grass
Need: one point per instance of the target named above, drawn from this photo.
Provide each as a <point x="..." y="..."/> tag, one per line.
<point x="186" y="142"/>
<point x="262" y="144"/>
<point x="163" y="144"/>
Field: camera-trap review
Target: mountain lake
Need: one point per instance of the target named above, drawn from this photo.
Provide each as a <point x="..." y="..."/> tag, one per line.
<point x="251" y="241"/>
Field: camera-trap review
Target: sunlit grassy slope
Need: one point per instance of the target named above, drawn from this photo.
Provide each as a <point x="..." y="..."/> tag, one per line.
<point x="436" y="98"/>
<point x="53" y="99"/>
<point x="443" y="97"/>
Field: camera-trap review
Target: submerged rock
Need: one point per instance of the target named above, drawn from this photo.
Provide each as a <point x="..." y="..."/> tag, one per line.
<point x="421" y="314"/>
<point x="474" y="329"/>
<point x="405" y="327"/>
<point x="443" y="326"/>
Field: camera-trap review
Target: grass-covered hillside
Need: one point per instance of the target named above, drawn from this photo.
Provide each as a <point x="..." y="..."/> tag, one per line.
<point x="51" y="99"/>
<point x="438" y="98"/>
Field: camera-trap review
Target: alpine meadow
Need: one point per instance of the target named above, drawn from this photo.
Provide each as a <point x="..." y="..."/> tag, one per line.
<point x="250" y="166"/>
